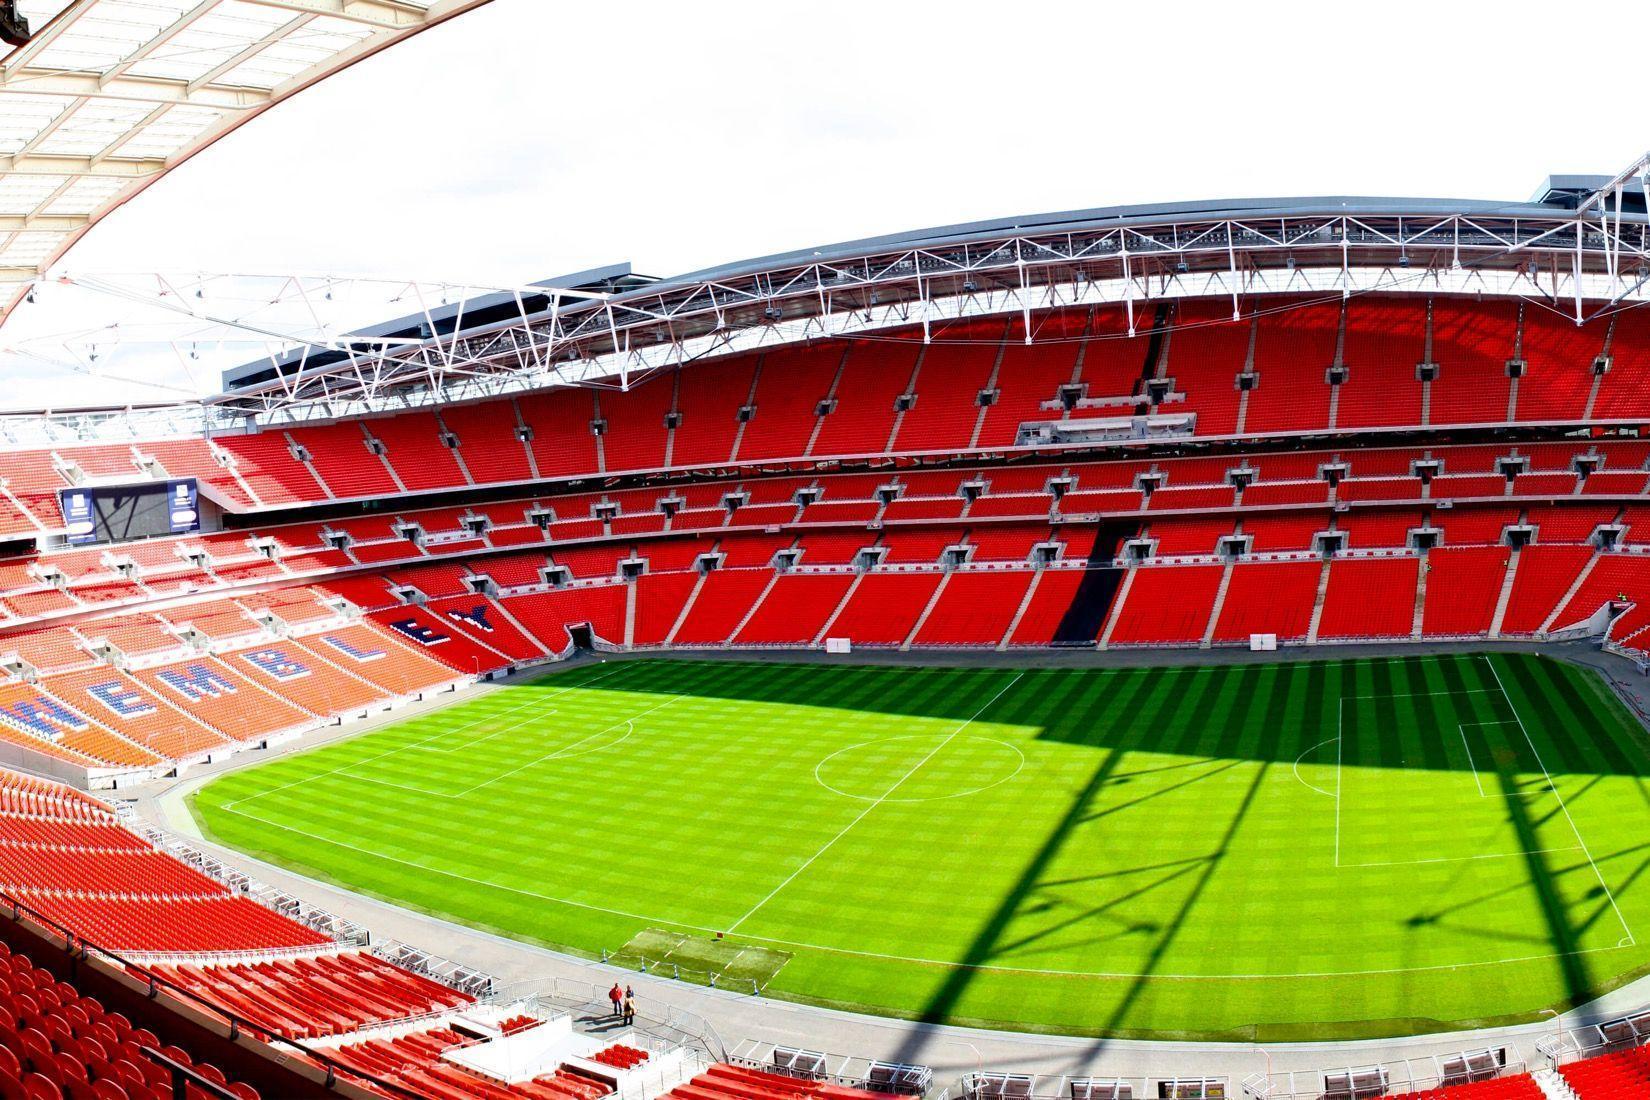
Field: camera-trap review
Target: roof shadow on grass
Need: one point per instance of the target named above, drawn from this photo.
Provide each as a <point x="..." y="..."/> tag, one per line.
<point x="1276" y="713"/>
<point x="1216" y="718"/>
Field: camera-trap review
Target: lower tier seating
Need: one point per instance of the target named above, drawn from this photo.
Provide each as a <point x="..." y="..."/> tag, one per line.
<point x="320" y="995"/>
<point x="620" y="1056"/>
<point x="414" y="1062"/>
<point x="1619" y="1075"/>
<point x="66" y="859"/>
<point x="69" y="859"/>
<point x="172" y="924"/>
<point x="56" y="1044"/>
<point x="1520" y="1087"/>
<point x="728" y="1082"/>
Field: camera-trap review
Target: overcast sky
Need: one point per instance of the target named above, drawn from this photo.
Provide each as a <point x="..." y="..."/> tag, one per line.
<point x="531" y="138"/>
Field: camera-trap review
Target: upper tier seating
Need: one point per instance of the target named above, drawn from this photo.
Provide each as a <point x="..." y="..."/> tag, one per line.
<point x="972" y="387"/>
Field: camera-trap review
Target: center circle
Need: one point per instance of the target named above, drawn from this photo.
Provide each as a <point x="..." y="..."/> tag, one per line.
<point x="886" y="769"/>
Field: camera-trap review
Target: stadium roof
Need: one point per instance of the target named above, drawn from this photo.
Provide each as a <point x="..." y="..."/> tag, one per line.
<point x="1581" y="245"/>
<point x="109" y="95"/>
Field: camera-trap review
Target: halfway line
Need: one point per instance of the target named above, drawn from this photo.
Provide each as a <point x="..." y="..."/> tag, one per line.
<point x="880" y="800"/>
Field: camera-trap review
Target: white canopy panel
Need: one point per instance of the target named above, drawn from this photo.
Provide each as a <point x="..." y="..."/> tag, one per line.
<point x="109" y="95"/>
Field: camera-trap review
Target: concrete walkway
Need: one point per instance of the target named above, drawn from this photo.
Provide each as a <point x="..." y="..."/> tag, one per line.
<point x="951" y="1051"/>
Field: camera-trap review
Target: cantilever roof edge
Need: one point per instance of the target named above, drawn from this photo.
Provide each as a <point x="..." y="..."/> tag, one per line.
<point x="107" y="97"/>
<point x="1139" y="214"/>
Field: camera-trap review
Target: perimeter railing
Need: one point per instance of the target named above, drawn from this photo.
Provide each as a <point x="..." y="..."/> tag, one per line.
<point x="839" y="1069"/>
<point x="1403" y="1075"/>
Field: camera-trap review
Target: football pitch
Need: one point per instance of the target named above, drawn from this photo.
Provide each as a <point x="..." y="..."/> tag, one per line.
<point x="1303" y="850"/>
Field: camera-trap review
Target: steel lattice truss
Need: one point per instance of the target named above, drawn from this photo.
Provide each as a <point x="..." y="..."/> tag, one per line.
<point x="1581" y="262"/>
<point x="1584" y="259"/>
<point x="111" y="94"/>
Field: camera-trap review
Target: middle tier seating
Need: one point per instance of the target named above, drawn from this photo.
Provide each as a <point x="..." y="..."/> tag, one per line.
<point x="1391" y="543"/>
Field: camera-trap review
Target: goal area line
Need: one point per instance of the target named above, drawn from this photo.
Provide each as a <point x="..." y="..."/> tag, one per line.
<point x="1515" y="719"/>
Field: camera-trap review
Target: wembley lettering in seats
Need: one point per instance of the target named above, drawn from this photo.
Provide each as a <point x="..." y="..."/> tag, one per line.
<point x="120" y="699"/>
<point x="41" y="716"/>
<point x="277" y="663"/>
<point x="418" y="632"/>
<point x="196" y="682"/>
<point x="475" y="616"/>
<point x="355" y="652"/>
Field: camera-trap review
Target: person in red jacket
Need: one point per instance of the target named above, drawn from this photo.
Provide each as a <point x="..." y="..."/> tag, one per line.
<point x="616" y="995"/>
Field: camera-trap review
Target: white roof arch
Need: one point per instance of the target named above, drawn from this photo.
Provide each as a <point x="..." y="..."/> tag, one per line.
<point x="109" y="95"/>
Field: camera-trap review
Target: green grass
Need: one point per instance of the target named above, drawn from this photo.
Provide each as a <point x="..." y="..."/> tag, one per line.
<point x="1284" y="851"/>
<point x="701" y="959"/>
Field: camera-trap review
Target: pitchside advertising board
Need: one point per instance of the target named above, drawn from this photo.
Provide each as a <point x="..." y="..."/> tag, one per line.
<point x="116" y="513"/>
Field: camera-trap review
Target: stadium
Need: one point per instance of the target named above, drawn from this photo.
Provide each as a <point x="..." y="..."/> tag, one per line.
<point x="1187" y="650"/>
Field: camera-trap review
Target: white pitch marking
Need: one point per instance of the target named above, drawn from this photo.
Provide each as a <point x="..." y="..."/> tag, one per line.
<point x="560" y="754"/>
<point x="1463" y="859"/>
<point x="1605" y="886"/>
<point x="948" y="964"/>
<point x="1018" y="768"/>
<point x="1462" y="727"/>
<point x="417" y="744"/>
<point x="1340" y="770"/>
<point x="547" y="757"/>
<point x="862" y="814"/>
<point x="1303" y="756"/>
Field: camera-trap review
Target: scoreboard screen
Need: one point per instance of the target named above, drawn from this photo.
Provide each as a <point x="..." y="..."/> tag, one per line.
<point x="120" y="513"/>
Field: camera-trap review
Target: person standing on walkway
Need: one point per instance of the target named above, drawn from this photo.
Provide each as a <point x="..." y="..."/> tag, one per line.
<point x="629" y="1005"/>
<point x="616" y="995"/>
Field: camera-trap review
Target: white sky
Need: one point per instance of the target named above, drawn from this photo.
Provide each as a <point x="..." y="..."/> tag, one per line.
<point x="530" y="138"/>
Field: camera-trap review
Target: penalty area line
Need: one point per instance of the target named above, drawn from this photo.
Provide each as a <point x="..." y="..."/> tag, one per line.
<point x="1581" y="840"/>
<point x="421" y="743"/>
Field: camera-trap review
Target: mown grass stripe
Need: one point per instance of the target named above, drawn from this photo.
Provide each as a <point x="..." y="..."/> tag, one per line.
<point x="1065" y="892"/>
